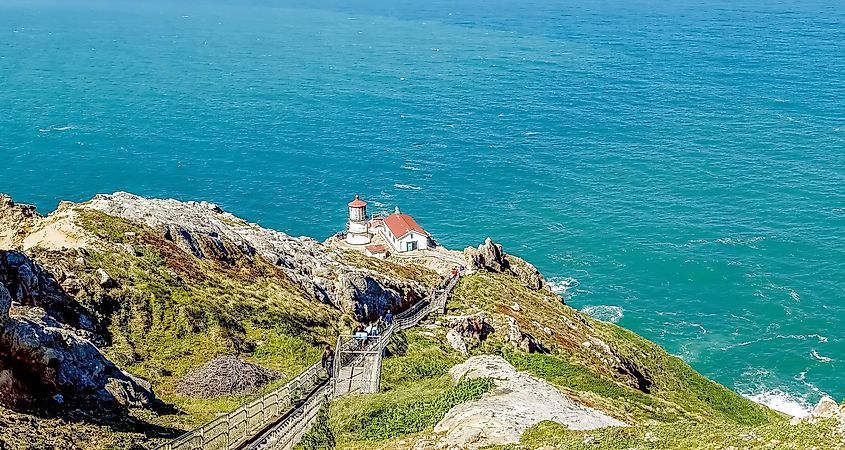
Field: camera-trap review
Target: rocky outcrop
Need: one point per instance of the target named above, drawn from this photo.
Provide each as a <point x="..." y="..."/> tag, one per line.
<point x="826" y="409"/>
<point x="47" y="356"/>
<point x="490" y="257"/>
<point x="456" y="342"/>
<point x="16" y="220"/>
<point x="207" y="232"/>
<point x="523" y="341"/>
<point x="33" y="287"/>
<point x="518" y="402"/>
<point x="467" y="332"/>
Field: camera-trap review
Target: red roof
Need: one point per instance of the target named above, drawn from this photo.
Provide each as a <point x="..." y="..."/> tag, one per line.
<point x="401" y="224"/>
<point x="357" y="203"/>
<point x="376" y="248"/>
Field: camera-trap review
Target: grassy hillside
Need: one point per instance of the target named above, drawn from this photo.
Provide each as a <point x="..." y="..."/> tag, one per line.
<point x="670" y="407"/>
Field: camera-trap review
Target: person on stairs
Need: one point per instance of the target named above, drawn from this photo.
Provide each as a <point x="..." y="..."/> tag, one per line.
<point x="327" y="361"/>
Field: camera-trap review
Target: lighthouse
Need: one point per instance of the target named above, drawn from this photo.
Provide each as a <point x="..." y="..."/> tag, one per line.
<point x="357" y="231"/>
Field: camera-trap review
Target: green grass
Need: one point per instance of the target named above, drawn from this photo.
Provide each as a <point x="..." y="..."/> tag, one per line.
<point x="414" y="272"/>
<point x="320" y="436"/>
<point x="416" y="394"/>
<point x="422" y="358"/>
<point x="171" y="312"/>
<point x="672" y="390"/>
<point x="386" y="416"/>
<point x="687" y="435"/>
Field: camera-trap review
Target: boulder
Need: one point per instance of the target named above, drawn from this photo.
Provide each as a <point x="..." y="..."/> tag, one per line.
<point x="518" y="402"/>
<point x="33" y="287"/>
<point x="456" y="342"/>
<point x="47" y="349"/>
<point x="106" y="281"/>
<point x="826" y="408"/>
<point x="474" y="327"/>
<point x="43" y="361"/>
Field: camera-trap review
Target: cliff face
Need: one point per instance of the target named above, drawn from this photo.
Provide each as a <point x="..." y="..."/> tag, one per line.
<point x="47" y="352"/>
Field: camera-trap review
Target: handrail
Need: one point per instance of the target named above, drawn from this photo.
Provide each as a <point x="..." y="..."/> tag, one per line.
<point x="231" y="430"/>
<point x="227" y="431"/>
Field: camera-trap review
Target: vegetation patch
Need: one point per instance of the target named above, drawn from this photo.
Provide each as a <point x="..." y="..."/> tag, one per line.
<point x="169" y="312"/>
<point x="414" y="272"/>
<point x="388" y="417"/>
<point x="320" y="436"/>
<point x="687" y="435"/>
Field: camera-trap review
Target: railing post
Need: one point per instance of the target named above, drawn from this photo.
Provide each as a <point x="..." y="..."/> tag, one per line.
<point x="263" y="410"/>
<point x="228" y="432"/>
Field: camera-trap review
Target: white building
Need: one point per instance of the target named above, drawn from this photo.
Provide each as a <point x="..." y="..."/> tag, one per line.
<point x="400" y="231"/>
<point x="357" y="230"/>
<point x="403" y="233"/>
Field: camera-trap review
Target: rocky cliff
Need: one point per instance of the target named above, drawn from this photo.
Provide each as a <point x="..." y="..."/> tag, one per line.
<point x="106" y="301"/>
<point x="126" y="302"/>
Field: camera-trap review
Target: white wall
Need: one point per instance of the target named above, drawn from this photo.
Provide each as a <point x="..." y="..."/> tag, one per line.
<point x="420" y="239"/>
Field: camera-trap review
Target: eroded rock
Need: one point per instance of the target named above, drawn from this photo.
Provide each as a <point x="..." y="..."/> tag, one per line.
<point x="523" y="341"/>
<point x="456" y="342"/>
<point x="490" y="257"/>
<point x="45" y="346"/>
<point x="518" y="402"/>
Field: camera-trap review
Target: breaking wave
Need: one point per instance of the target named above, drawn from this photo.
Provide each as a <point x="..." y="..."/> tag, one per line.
<point x="407" y="186"/>
<point x="561" y="285"/>
<point x="784" y="402"/>
<point x="605" y="313"/>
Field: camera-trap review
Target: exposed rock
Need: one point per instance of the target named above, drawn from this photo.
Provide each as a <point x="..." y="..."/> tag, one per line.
<point x="474" y="327"/>
<point x="31" y="286"/>
<point x="5" y="304"/>
<point x="206" y="231"/>
<point x="826" y="408"/>
<point x="16" y="220"/>
<point x="518" y="402"/>
<point x="72" y="286"/>
<point x="106" y="281"/>
<point x="489" y="256"/>
<point x="131" y="392"/>
<point x="456" y="342"/>
<point x="45" y="347"/>
<point x="523" y="341"/>
<point x="516" y="307"/>
<point x="225" y="376"/>
<point x="40" y="360"/>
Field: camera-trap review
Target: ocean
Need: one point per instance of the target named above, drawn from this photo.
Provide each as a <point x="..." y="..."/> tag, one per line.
<point x="675" y="167"/>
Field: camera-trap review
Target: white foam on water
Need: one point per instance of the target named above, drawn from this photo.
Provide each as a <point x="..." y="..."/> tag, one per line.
<point x="64" y="128"/>
<point x="787" y="403"/>
<point x="561" y="285"/>
<point x="410" y="167"/>
<point x="605" y="313"/>
<point x="407" y="186"/>
<point x="821" y="358"/>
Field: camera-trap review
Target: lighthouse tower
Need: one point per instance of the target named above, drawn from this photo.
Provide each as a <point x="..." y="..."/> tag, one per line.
<point x="357" y="232"/>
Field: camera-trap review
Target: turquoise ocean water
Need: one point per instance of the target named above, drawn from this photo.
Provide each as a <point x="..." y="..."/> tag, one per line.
<point x="676" y="167"/>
